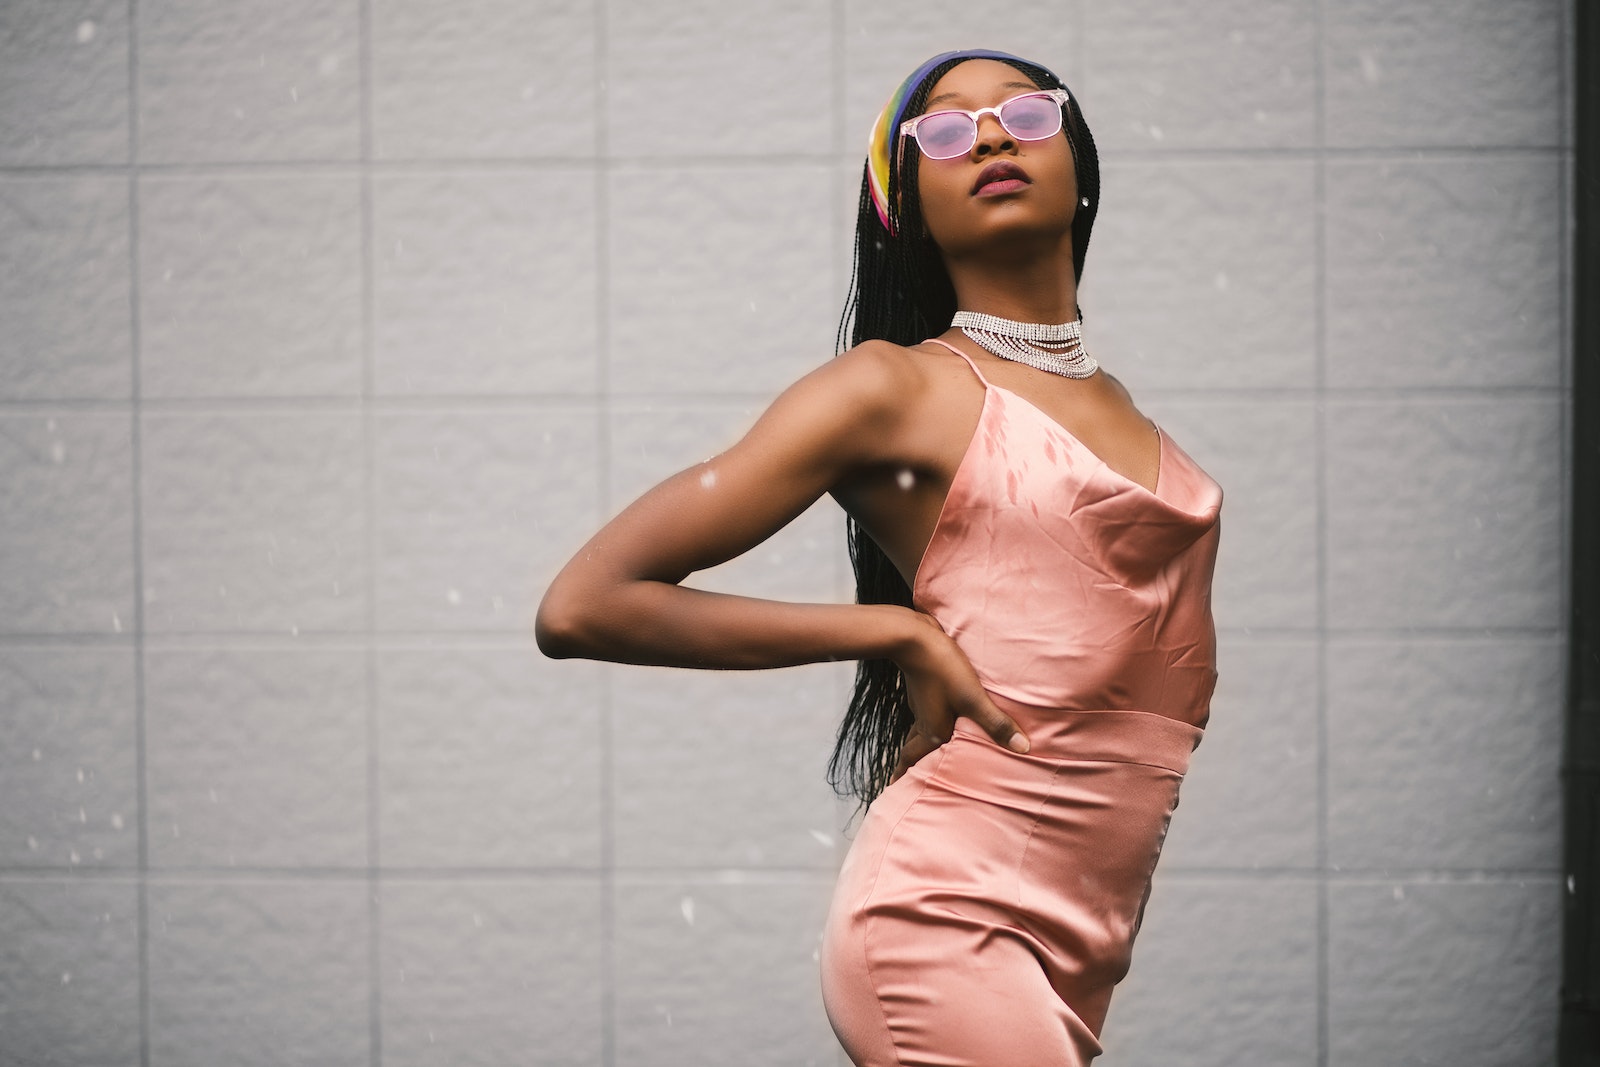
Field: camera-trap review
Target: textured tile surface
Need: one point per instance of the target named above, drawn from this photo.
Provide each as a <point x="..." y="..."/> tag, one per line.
<point x="256" y="757"/>
<point x="692" y="254"/>
<point x="485" y="283"/>
<point x="1443" y="973"/>
<point x="1224" y="972"/>
<point x="488" y="758"/>
<point x="482" y="79"/>
<point x="68" y="566"/>
<point x="716" y="769"/>
<point x="1179" y="289"/>
<point x="253" y="80"/>
<point x="266" y="970"/>
<point x="477" y="511"/>
<point x="69" y="972"/>
<point x="252" y="286"/>
<point x="1163" y="76"/>
<point x="67" y="756"/>
<point x="683" y="74"/>
<point x="1444" y="513"/>
<point x="253" y="521"/>
<point x="1398" y="74"/>
<point x="64" y="245"/>
<point x="480" y="973"/>
<point x="694" y="958"/>
<point x="63" y="82"/>
<point x="1445" y="754"/>
<point x="1399" y="313"/>
<point x="1249" y="799"/>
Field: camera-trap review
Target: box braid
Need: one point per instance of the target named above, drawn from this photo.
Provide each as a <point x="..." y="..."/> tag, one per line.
<point x="901" y="292"/>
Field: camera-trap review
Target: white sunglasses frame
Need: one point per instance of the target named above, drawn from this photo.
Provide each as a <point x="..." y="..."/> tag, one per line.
<point x="908" y="128"/>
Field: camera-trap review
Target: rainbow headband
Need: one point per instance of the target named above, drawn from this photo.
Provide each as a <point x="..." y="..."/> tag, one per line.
<point x="893" y="114"/>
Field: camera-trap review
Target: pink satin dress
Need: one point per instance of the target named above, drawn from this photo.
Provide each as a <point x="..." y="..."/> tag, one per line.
<point x="990" y="899"/>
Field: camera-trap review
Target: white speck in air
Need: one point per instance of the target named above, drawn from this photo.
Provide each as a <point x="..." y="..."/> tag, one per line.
<point x="687" y="907"/>
<point x="477" y="920"/>
<point x="86" y="31"/>
<point x="66" y="976"/>
<point x="1221" y="281"/>
<point x="708" y="479"/>
<point x="454" y="596"/>
<point x="294" y="94"/>
<point x="1155" y="133"/>
<point x="80" y="778"/>
<point x="1369" y="66"/>
<point x="116" y="622"/>
<point x="82" y="816"/>
<point x="905" y="479"/>
<point x="58" y="451"/>
<point x="1399" y="892"/>
<point x="822" y="838"/>
<point x="116" y="820"/>
<point x="33" y="843"/>
<point x="37" y="755"/>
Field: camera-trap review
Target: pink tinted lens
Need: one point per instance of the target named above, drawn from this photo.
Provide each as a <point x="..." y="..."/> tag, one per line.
<point x="1031" y="118"/>
<point x="946" y="134"/>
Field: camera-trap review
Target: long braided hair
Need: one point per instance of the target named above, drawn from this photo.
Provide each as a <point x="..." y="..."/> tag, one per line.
<point x="901" y="292"/>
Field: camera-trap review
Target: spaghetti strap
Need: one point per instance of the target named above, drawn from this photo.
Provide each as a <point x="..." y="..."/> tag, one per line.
<point x="964" y="356"/>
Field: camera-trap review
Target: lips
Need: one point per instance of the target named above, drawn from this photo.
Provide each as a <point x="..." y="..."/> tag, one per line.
<point x="1001" y="176"/>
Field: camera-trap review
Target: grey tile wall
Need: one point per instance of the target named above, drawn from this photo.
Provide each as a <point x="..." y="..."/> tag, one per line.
<point x="328" y="331"/>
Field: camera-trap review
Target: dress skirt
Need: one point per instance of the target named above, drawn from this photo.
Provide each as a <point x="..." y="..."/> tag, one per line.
<point x="990" y="900"/>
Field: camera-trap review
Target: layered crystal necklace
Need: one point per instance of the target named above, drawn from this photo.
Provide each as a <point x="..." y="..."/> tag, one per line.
<point x="1056" y="348"/>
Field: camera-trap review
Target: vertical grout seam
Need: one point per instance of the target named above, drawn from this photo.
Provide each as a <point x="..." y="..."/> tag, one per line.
<point x="603" y="489"/>
<point x="369" y="508"/>
<point x="1320" y="451"/>
<point x="136" y="463"/>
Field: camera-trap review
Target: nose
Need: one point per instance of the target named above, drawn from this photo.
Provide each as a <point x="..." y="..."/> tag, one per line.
<point x="992" y="136"/>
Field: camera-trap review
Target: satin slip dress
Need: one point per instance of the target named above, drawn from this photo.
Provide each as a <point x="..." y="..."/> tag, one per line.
<point x="989" y="901"/>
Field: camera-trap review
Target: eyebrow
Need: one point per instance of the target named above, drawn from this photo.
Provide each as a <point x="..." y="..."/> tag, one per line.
<point x="1006" y="85"/>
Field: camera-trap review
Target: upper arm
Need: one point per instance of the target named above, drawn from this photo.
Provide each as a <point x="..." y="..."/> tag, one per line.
<point x="845" y="414"/>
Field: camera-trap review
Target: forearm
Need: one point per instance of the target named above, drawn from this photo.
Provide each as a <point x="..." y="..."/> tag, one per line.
<point x="662" y="624"/>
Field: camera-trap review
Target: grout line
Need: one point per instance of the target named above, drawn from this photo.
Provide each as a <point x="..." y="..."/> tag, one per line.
<point x="136" y="431"/>
<point x="1320" y="450"/>
<point x="1129" y="155"/>
<point x="603" y="385"/>
<point x="374" y="900"/>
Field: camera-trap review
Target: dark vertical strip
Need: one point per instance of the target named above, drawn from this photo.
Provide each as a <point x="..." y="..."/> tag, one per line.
<point x="1579" y="1038"/>
<point x="136" y="431"/>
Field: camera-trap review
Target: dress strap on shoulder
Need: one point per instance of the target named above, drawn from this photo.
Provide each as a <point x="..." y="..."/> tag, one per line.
<point x="964" y="356"/>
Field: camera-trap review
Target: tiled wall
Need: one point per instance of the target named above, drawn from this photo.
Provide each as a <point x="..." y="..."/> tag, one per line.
<point x="329" y="329"/>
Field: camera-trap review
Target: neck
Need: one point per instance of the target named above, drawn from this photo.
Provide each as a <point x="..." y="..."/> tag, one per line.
<point x="1029" y="286"/>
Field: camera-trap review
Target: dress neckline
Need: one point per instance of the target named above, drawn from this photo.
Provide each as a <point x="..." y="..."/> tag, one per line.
<point x="1072" y="438"/>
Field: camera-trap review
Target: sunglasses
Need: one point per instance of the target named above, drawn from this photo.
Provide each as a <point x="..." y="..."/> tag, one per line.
<point x="948" y="134"/>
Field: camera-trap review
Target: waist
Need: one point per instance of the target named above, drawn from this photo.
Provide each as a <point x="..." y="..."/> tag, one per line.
<point x="1112" y="734"/>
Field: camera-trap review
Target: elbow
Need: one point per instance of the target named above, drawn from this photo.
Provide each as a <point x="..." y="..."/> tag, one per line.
<point x="558" y="628"/>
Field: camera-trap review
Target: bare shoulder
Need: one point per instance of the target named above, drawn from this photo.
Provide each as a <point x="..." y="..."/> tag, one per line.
<point x="1117" y="388"/>
<point x="878" y="383"/>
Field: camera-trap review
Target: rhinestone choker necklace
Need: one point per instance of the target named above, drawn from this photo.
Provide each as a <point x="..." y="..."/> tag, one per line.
<point x="1055" y="348"/>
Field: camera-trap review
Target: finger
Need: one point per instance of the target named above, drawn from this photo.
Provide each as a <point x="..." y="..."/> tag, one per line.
<point x="1001" y="727"/>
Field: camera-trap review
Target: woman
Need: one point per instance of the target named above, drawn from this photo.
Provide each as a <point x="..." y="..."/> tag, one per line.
<point x="1033" y="561"/>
